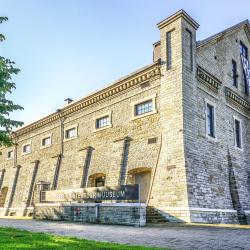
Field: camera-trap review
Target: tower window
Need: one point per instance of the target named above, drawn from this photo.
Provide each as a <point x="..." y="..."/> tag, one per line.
<point x="210" y="120"/>
<point x="169" y="49"/>
<point x="244" y="52"/>
<point x="237" y="133"/>
<point x="235" y="76"/>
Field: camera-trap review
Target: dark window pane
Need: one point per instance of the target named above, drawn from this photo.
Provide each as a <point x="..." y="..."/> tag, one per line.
<point x="237" y="128"/>
<point x="235" y="76"/>
<point x="244" y="52"/>
<point x="210" y="120"/>
<point x="169" y="50"/>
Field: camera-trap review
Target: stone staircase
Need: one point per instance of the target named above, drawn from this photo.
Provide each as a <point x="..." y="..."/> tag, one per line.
<point x="154" y="216"/>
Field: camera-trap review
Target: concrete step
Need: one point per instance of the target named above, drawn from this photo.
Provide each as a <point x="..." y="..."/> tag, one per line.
<point x="154" y="216"/>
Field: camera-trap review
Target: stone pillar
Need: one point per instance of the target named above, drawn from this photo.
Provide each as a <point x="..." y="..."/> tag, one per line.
<point x="31" y="189"/>
<point x="57" y="172"/>
<point x="2" y="178"/>
<point x="169" y="189"/>
<point x="88" y="156"/>
<point x="13" y="190"/>
<point x="124" y="161"/>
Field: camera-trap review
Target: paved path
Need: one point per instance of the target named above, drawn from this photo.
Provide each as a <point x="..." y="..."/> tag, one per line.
<point x="172" y="236"/>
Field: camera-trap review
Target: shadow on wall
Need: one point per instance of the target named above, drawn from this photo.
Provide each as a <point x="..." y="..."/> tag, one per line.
<point x="235" y="193"/>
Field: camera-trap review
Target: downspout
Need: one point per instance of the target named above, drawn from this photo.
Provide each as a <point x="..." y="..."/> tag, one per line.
<point x="155" y="169"/>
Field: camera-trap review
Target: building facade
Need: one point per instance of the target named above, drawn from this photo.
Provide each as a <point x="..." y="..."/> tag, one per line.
<point x="179" y="127"/>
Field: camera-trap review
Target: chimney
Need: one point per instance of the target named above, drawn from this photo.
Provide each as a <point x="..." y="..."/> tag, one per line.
<point x="68" y="101"/>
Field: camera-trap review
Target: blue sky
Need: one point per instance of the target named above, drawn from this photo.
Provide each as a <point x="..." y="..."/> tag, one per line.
<point x="71" y="48"/>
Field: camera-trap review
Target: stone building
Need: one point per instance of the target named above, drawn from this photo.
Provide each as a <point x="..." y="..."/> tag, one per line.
<point x="179" y="127"/>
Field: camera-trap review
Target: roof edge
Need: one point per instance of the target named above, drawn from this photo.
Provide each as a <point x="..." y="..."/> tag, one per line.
<point x="245" y="24"/>
<point x="137" y="77"/>
<point x="181" y="13"/>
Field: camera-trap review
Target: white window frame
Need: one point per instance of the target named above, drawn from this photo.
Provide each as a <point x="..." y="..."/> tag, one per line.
<point x="148" y="98"/>
<point x="68" y="128"/>
<point x="26" y="144"/>
<point x="109" y="114"/>
<point x="45" y="137"/>
<point x="208" y="102"/>
<point x="11" y="150"/>
<point x="241" y="137"/>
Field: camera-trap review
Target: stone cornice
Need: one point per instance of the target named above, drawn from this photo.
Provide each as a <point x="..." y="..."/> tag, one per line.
<point x="237" y="100"/>
<point x="208" y="79"/>
<point x="174" y="17"/>
<point x="151" y="72"/>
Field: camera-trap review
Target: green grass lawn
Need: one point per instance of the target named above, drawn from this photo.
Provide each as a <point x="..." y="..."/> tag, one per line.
<point x="19" y="239"/>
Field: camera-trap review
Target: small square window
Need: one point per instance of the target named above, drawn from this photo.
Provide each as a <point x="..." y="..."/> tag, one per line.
<point x="26" y="148"/>
<point x="46" y="142"/>
<point x="10" y="154"/>
<point x="102" y="122"/>
<point x="70" y="133"/>
<point x="144" y="107"/>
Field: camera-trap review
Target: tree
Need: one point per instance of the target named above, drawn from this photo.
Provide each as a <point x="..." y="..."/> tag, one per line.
<point x="7" y="70"/>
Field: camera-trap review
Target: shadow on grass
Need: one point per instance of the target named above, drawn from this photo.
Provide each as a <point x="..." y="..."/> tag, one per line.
<point x="19" y="239"/>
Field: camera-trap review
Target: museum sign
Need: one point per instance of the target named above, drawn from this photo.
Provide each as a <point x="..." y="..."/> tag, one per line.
<point x="123" y="192"/>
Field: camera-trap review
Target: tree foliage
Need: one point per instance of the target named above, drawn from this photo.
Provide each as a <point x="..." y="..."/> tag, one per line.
<point x="7" y="70"/>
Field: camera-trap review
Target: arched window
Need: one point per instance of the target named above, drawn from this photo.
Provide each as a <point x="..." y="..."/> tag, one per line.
<point x="97" y="180"/>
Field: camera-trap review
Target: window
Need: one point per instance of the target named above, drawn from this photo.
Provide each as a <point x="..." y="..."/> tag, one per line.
<point x="190" y="46"/>
<point x="10" y="154"/>
<point x="46" y="142"/>
<point x="169" y="49"/>
<point x="70" y="133"/>
<point x="27" y="149"/>
<point x="144" y="107"/>
<point x="244" y="52"/>
<point x="102" y="122"/>
<point x="210" y="120"/>
<point x="235" y="76"/>
<point x="237" y="133"/>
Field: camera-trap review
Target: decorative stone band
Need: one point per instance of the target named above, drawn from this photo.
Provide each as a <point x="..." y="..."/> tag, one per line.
<point x="208" y="79"/>
<point x="91" y="204"/>
<point x="149" y="73"/>
<point x="237" y="100"/>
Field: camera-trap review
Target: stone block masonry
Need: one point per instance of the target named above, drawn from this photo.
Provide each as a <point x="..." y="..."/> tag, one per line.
<point x="132" y="214"/>
<point x="156" y="133"/>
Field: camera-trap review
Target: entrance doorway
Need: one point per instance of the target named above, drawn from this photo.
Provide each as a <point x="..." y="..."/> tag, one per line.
<point x="141" y="176"/>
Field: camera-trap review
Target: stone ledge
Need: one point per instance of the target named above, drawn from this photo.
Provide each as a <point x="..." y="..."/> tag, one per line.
<point x="237" y="100"/>
<point x="208" y="79"/>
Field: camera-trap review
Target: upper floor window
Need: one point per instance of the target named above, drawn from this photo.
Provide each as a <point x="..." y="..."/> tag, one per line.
<point x="244" y="50"/>
<point x="144" y="107"/>
<point x="46" y="141"/>
<point x="102" y="122"/>
<point x="169" y="49"/>
<point x="70" y="133"/>
<point x="189" y="42"/>
<point x="235" y="75"/>
<point x="10" y="154"/>
<point x="26" y="148"/>
<point x="237" y="133"/>
<point x="210" y="121"/>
